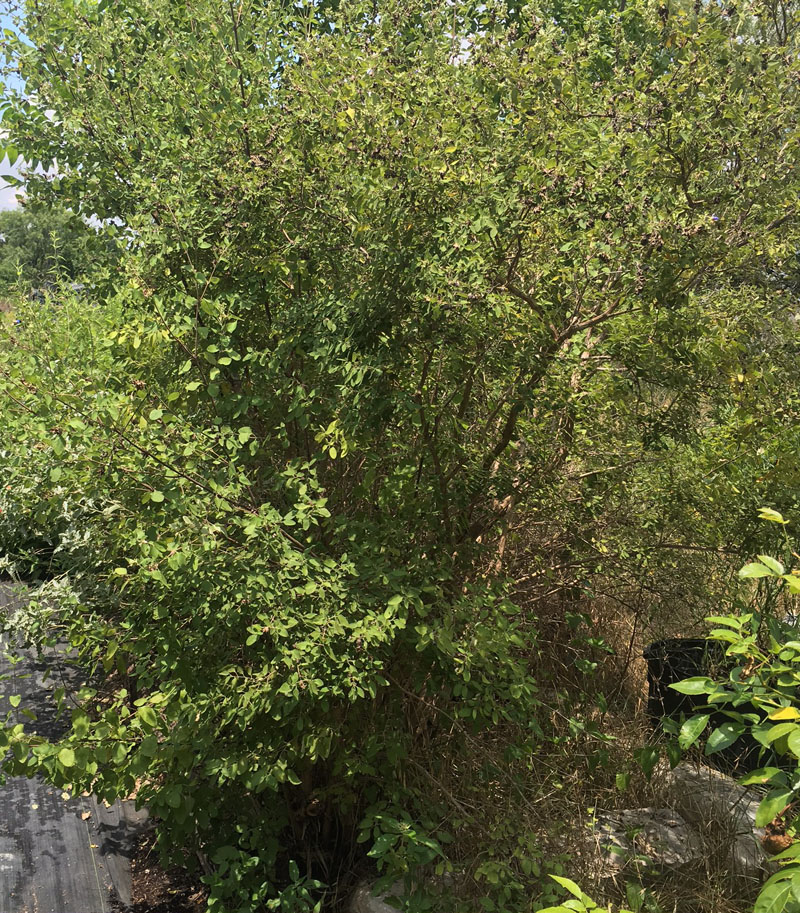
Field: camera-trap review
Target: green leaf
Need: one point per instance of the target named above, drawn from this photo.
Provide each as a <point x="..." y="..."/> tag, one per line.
<point x="723" y="736"/>
<point x="647" y="758"/>
<point x="67" y="757"/>
<point x="755" y="570"/>
<point x="148" y="716"/>
<point x="14" y="700"/>
<point x="695" y="685"/>
<point x="382" y="844"/>
<point x="674" y="753"/>
<point x="775" y="566"/>
<point x="793" y="583"/>
<point x="791" y="852"/>
<point x="730" y="620"/>
<point x="775" y="802"/>
<point x="778" y="732"/>
<point x="762" y="775"/>
<point x="157" y="496"/>
<point x="569" y="885"/>
<point x="774" y="898"/>
<point x="793" y="742"/>
<point x="80" y="723"/>
<point x="691" y="730"/>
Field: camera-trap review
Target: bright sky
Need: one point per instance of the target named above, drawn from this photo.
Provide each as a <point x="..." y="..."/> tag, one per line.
<point x="8" y="195"/>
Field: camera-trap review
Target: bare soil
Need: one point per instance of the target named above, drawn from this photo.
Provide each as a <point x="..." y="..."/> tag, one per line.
<point x="156" y="890"/>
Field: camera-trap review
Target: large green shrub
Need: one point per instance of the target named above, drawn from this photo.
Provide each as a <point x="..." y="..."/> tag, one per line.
<point x="376" y="261"/>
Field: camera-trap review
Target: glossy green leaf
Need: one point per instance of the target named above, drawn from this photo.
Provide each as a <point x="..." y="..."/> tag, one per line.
<point x="691" y="730"/>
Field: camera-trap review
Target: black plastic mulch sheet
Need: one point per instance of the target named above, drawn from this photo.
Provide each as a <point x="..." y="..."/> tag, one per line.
<point x="58" y="853"/>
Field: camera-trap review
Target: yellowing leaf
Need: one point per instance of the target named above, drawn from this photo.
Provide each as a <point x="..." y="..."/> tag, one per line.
<point x="785" y="713"/>
<point x="767" y="513"/>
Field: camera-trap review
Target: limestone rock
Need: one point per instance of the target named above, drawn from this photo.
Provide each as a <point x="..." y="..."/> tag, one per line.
<point x="654" y="838"/>
<point x="362" y="900"/>
<point x="716" y="805"/>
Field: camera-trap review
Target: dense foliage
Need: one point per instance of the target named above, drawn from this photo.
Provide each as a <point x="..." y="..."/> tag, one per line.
<point x="426" y="312"/>
<point x="758" y="698"/>
<point x="40" y="247"/>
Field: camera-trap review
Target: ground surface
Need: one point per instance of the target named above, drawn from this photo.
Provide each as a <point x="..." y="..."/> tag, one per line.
<point x="157" y="891"/>
<point x="58" y="854"/>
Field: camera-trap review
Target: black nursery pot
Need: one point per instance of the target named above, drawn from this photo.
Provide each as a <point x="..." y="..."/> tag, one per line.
<point x="674" y="659"/>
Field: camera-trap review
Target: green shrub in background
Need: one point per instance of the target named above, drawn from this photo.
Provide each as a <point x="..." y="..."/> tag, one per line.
<point x="41" y="247"/>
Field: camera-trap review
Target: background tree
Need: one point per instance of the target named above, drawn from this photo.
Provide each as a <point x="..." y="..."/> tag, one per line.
<point x="42" y="246"/>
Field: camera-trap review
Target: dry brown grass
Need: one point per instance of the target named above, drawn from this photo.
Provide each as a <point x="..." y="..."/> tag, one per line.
<point x="541" y="807"/>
